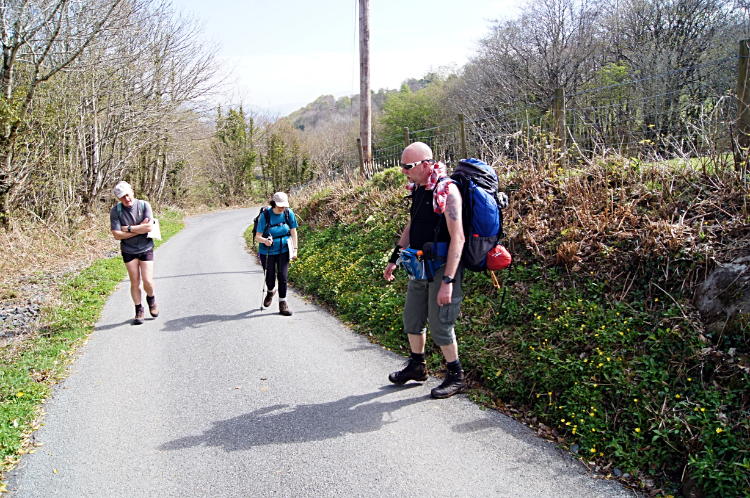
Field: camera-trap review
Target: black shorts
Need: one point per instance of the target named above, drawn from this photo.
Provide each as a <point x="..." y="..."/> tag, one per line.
<point x="144" y="256"/>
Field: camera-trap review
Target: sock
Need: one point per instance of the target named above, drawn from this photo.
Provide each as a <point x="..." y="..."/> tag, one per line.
<point x="150" y="299"/>
<point x="281" y="299"/>
<point x="454" y="367"/>
<point x="138" y="307"/>
<point x="418" y="357"/>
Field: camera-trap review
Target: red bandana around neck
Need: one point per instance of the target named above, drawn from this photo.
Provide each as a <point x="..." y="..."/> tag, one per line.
<point x="440" y="197"/>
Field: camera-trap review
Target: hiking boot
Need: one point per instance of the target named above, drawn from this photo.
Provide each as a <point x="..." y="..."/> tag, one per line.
<point x="414" y="371"/>
<point x="138" y="316"/>
<point x="269" y="298"/>
<point x="454" y="383"/>
<point x="153" y="309"/>
<point x="284" y="309"/>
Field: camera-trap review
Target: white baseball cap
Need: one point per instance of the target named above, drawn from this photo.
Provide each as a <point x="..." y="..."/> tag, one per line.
<point x="280" y="199"/>
<point x="121" y="189"/>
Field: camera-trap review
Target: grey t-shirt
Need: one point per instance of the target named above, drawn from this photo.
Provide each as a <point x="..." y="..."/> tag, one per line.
<point x="134" y="215"/>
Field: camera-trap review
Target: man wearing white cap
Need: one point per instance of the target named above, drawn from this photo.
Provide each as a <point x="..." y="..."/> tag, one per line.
<point x="130" y="221"/>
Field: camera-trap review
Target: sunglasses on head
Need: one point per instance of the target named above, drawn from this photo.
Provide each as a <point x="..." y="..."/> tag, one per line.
<point x="408" y="166"/>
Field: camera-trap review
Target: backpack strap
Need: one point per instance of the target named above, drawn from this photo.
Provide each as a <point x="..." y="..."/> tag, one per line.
<point x="141" y="205"/>
<point x="501" y="232"/>
<point x="267" y="230"/>
<point x="267" y="217"/>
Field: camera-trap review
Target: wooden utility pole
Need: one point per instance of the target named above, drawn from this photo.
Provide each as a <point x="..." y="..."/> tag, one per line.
<point x="743" y="109"/>
<point x="462" y="130"/>
<point x="361" y="158"/>
<point x="365" y="110"/>
<point x="561" y="132"/>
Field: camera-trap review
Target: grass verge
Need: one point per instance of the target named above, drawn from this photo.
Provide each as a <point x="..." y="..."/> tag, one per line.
<point x="29" y="369"/>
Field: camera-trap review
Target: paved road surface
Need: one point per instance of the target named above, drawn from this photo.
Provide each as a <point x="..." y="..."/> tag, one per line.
<point x="217" y="399"/>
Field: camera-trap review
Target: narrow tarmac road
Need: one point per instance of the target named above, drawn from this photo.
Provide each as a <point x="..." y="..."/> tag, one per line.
<point x="215" y="398"/>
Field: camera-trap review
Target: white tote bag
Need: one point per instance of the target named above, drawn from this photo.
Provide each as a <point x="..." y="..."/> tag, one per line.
<point x="292" y="249"/>
<point x="155" y="232"/>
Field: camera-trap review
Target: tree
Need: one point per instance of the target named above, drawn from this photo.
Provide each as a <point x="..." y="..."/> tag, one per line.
<point x="553" y="44"/>
<point x="664" y="42"/>
<point x="234" y="154"/>
<point x="425" y="108"/>
<point x="120" y="110"/>
<point x="284" y="163"/>
<point x="331" y="146"/>
<point x="39" y="39"/>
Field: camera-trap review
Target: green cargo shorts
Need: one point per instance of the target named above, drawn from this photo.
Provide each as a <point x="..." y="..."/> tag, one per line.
<point x="421" y="308"/>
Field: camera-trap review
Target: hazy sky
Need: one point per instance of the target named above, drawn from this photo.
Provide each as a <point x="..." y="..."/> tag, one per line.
<point x="286" y="53"/>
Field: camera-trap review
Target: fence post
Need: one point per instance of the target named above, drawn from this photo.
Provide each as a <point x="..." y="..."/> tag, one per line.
<point x="560" y="130"/>
<point x="361" y="157"/>
<point x="743" y="109"/>
<point x="464" y="155"/>
<point x="406" y="136"/>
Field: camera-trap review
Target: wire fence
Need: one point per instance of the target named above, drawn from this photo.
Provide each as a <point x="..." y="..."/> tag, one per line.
<point x="683" y="113"/>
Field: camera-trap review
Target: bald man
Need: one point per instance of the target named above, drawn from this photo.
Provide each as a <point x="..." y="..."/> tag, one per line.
<point x="435" y="203"/>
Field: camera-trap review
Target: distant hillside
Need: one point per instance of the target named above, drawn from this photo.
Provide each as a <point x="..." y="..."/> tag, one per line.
<point x="327" y="106"/>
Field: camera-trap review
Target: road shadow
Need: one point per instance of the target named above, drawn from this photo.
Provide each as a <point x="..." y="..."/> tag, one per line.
<point x="475" y="426"/>
<point x="197" y="321"/>
<point x="129" y="321"/>
<point x="188" y="275"/>
<point x="284" y="424"/>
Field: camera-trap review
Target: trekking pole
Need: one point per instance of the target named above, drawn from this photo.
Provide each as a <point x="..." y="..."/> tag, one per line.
<point x="263" y="289"/>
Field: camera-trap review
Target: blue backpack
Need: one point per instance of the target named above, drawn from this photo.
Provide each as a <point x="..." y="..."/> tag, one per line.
<point x="482" y="214"/>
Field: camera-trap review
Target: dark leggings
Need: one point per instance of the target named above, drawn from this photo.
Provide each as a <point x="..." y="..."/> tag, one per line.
<point x="272" y="264"/>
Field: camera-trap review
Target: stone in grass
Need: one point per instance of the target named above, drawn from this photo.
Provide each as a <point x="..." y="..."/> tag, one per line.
<point x="723" y="295"/>
<point x="618" y="472"/>
<point x="574" y="448"/>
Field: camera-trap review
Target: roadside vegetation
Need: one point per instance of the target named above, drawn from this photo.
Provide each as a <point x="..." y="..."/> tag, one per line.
<point x="31" y="365"/>
<point x="592" y="339"/>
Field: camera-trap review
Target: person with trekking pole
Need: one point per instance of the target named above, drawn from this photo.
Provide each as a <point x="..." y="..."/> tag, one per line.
<point x="436" y="226"/>
<point x="131" y="220"/>
<point x="276" y="234"/>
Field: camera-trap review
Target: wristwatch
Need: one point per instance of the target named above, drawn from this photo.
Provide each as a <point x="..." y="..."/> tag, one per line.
<point x="128" y="228"/>
<point x="448" y="280"/>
